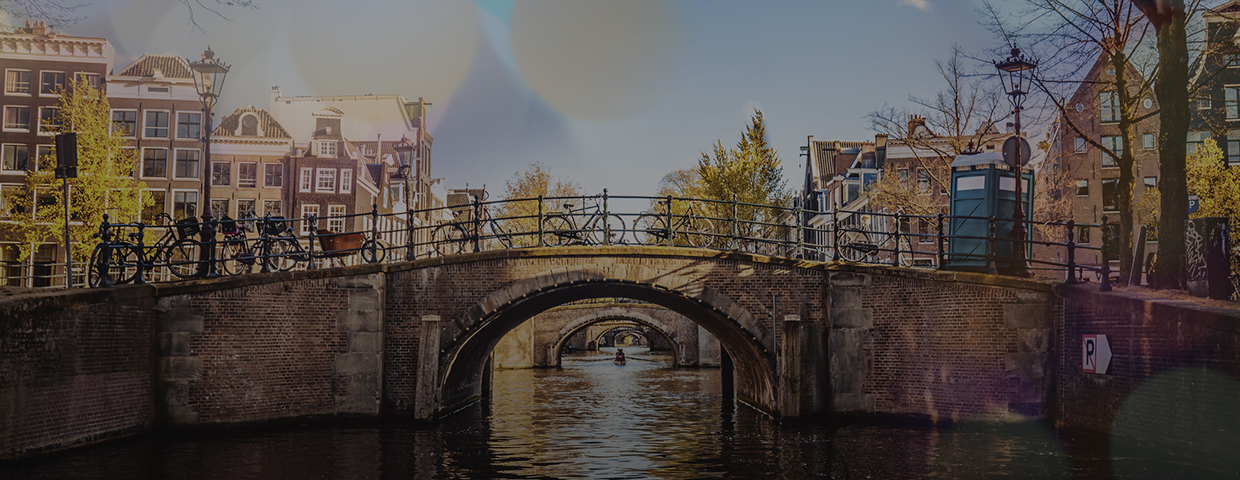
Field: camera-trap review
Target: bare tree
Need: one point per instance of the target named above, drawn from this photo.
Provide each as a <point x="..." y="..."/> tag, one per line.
<point x="62" y="13"/>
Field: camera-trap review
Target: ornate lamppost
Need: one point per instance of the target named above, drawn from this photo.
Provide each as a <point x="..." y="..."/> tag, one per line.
<point x="209" y="76"/>
<point x="1016" y="73"/>
<point x="404" y="154"/>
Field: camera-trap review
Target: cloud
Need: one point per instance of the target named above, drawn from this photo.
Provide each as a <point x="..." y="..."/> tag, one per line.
<point x="923" y="5"/>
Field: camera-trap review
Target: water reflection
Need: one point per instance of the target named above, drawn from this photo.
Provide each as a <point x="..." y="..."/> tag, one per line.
<point x="591" y="419"/>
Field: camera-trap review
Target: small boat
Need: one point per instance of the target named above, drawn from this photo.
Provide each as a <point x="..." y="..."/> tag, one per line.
<point x="619" y="361"/>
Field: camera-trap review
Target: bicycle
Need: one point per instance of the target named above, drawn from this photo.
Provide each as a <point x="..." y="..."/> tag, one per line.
<point x="561" y="229"/>
<point x="116" y="261"/>
<point x="651" y="227"/>
<point x="337" y="246"/>
<point x="454" y="237"/>
<point x="855" y="246"/>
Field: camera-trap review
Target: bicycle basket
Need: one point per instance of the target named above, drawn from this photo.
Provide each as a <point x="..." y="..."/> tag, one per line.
<point x="228" y="226"/>
<point x="187" y="227"/>
<point x="274" y="227"/>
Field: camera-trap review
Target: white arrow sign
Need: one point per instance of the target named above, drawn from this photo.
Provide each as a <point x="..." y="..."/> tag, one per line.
<point x="1095" y="354"/>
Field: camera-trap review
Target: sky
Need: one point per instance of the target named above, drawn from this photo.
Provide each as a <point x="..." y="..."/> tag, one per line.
<point x="607" y="94"/>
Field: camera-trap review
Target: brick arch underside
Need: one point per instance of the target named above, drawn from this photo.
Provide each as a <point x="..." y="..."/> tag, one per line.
<point x="613" y="314"/>
<point x="747" y="341"/>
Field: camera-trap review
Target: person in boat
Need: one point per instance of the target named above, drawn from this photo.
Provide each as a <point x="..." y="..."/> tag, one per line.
<point x="619" y="356"/>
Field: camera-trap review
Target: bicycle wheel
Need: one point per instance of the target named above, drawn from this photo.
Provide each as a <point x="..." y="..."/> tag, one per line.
<point x="181" y="258"/>
<point x="594" y="236"/>
<point x="558" y="230"/>
<point x="850" y="246"/>
<point x="284" y="254"/>
<point x="235" y="257"/>
<point x="449" y="239"/>
<point x="650" y="229"/>
<point x="698" y="230"/>
<point x="118" y="266"/>
<point x="373" y="252"/>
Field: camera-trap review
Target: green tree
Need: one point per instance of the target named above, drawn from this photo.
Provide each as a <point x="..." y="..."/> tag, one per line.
<point x="521" y="193"/>
<point x="751" y="172"/>
<point x="1216" y="185"/>
<point x="105" y="182"/>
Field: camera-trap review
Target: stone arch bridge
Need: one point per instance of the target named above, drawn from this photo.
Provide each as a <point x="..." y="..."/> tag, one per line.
<point x="797" y="338"/>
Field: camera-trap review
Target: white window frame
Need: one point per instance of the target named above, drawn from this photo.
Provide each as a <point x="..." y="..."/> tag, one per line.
<point x="1231" y="106"/>
<point x="322" y="174"/>
<point x="256" y="181"/>
<point x="29" y="85"/>
<point x="237" y="208"/>
<point x="1082" y="183"/>
<point x="1080" y="145"/>
<point x="39" y="127"/>
<point x="335" y="220"/>
<point x="279" y="166"/>
<point x="230" y="175"/>
<point x="308" y="209"/>
<point x="167" y="129"/>
<point x="172" y="197"/>
<point x="269" y="201"/>
<point x="1114" y="109"/>
<point x="327" y="148"/>
<point x="77" y="76"/>
<point x="16" y="172"/>
<point x="306" y="183"/>
<point x="198" y="171"/>
<point x="1152" y="145"/>
<point x="1203" y="103"/>
<point x="41" y="73"/>
<point x="142" y="163"/>
<point x="132" y="134"/>
<point x="346" y="180"/>
<point x="4" y="207"/>
<point x="228" y="207"/>
<point x="178" y="124"/>
<point x="34" y="160"/>
<point x="4" y="117"/>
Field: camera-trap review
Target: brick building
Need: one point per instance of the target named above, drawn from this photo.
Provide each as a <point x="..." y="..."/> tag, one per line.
<point x="249" y="166"/>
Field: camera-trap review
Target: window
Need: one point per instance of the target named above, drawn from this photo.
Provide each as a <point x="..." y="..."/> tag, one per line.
<point x="245" y="209"/>
<point x="247" y="175"/>
<point x="125" y="121"/>
<point x="1108" y="102"/>
<point x="221" y="174"/>
<point x="923" y="182"/>
<point x="17" y="81"/>
<point x="904" y="177"/>
<point x="184" y="205"/>
<point x="52" y="84"/>
<point x="1081" y="145"/>
<point x="307" y="177"/>
<point x="1196" y="138"/>
<point x="186" y="164"/>
<point x="43" y="154"/>
<point x="151" y="212"/>
<point x="1233" y="146"/>
<point x="16" y="157"/>
<point x="924" y="231"/>
<point x="273" y="208"/>
<point x="327" y="149"/>
<point x="1147" y="103"/>
<point x="49" y="120"/>
<point x="155" y="163"/>
<point x="92" y="79"/>
<point x="156" y="125"/>
<point x="1231" y="95"/>
<point x="17" y="118"/>
<point x="5" y="208"/>
<point x="306" y="211"/>
<point x="1204" y="103"/>
<point x="346" y="180"/>
<point x="1147" y="141"/>
<point x="1231" y="60"/>
<point x="335" y="218"/>
<point x="249" y="125"/>
<point x="1151" y="184"/>
<point x="326" y="180"/>
<point x="1110" y="194"/>
<point x="1082" y="234"/>
<point x="219" y="207"/>
<point x="130" y="157"/>
<point x="189" y="125"/>
<point x="157" y="89"/>
<point x="273" y="175"/>
<point x="1115" y="144"/>
<point x="1082" y="188"/>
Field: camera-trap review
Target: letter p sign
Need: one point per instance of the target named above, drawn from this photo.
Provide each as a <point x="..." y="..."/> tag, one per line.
<point x="1095" y="354"/>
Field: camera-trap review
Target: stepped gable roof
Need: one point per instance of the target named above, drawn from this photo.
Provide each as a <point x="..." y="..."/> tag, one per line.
<point x="169" y="66"/>
<point x="231" y="124"/>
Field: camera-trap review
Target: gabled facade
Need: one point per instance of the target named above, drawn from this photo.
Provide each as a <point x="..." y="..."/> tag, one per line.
<point x="249" y="173"/>
<point x="1216" y="106"/>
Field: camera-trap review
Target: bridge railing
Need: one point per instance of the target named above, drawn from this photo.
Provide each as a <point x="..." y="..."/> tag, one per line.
<point x="143" y="252"/>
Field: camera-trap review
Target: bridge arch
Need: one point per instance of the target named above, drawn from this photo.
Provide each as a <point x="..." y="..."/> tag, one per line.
<point x="467" y="345"/>
<point x="614" y="313"/>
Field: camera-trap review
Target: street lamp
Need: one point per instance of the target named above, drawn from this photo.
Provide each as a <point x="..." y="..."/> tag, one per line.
<point x="404" y="154"/>
<point x="209" y="76"/>
<point x="1016" y="73"/>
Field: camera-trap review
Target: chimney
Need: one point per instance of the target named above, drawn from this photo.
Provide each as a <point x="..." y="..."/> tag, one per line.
<point x="880" y="141"/>
<point x="275" y="95"/>
<point x="915" y="121"/>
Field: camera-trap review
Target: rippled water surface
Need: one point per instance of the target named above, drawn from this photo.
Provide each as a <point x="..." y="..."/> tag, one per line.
<point x="593" y="419"/>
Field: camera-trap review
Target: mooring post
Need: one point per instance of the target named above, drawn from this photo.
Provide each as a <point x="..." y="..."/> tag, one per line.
<point x="426" y="393"/>
<point x="790" y="356"/>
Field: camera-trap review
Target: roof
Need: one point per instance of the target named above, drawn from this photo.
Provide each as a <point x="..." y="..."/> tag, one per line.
<point x="230" y="125"/>
<point x="984" y="158"/>
<point x="169" y="66"/>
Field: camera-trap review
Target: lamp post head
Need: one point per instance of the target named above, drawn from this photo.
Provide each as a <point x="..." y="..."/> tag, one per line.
<point x="404" y="151"/>
<point x="209" y="76"/>
<point x="1016" y="72"/>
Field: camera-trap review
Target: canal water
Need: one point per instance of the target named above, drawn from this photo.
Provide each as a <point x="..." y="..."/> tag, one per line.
<point x="594" y="419"/>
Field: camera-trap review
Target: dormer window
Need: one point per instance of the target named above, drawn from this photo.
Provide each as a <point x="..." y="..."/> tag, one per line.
<point x="249" y="125"/>
<point x="327" y="149"/>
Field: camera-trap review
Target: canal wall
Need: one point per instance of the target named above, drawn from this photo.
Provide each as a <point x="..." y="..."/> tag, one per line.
<point x="947" y="345"/>
<point x="75" y="368"/>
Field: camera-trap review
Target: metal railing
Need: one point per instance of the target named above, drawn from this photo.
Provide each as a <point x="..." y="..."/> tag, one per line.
<point x="138" y="252"/>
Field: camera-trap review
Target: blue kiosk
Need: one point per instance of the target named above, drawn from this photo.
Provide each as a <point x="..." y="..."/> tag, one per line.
<point x="984" y="185"/>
